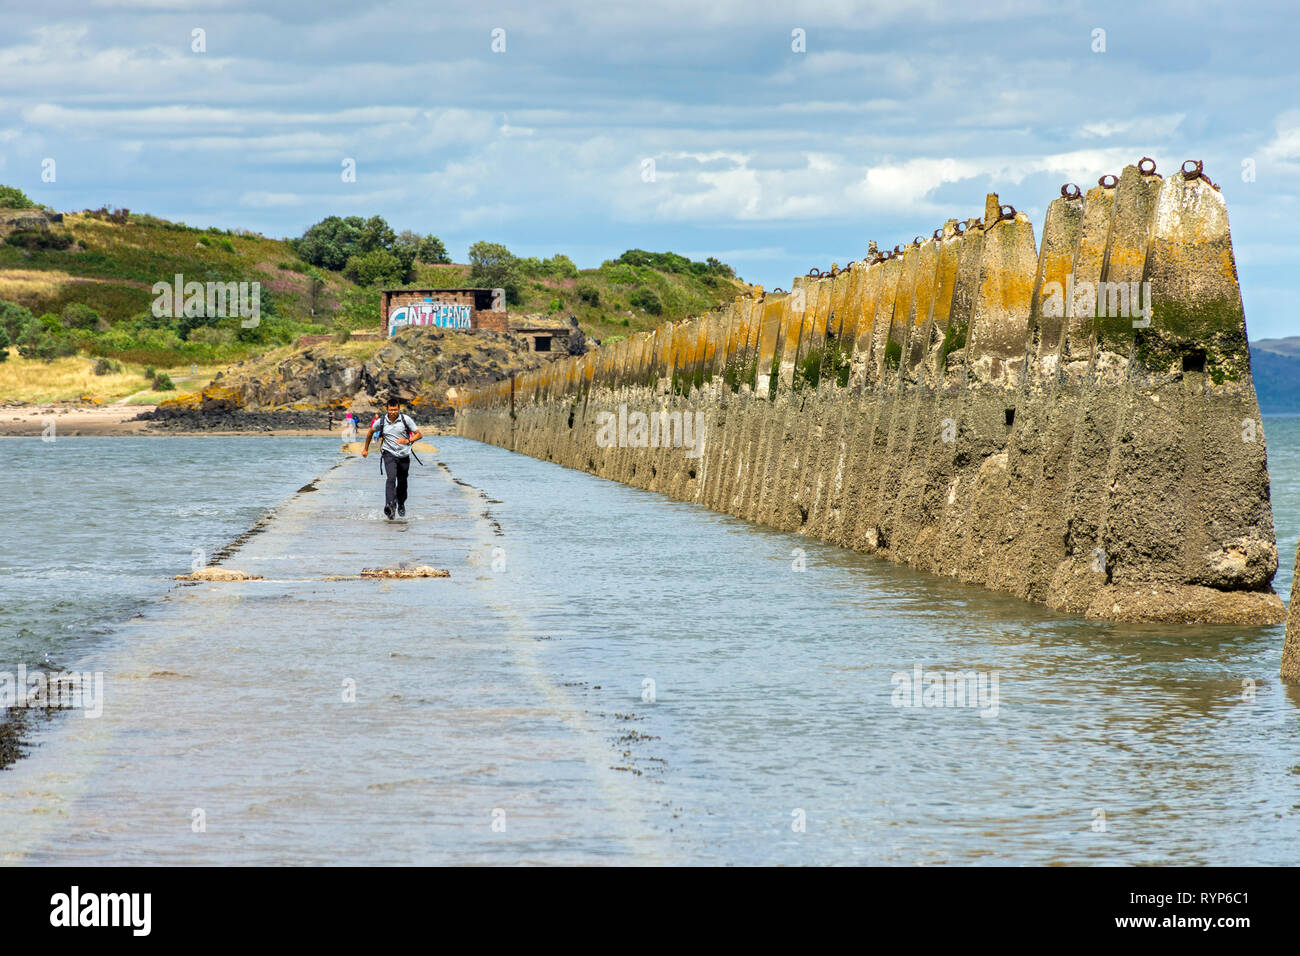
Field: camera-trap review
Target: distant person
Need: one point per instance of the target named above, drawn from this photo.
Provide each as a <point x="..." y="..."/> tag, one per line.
<point x="397" y="432"/>
<point x="331" y="419"/>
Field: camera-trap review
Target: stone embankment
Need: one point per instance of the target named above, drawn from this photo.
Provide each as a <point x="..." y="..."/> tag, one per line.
<point x="1073" y="423"/>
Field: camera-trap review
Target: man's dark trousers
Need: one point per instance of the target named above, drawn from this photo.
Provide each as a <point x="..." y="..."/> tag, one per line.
<point x="395" y="468"/>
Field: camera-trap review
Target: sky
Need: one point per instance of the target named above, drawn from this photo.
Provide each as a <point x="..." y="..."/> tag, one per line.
<point x="775" y="136"/>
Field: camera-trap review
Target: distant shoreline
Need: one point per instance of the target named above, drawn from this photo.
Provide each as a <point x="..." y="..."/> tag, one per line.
<point x="79" y="421"/>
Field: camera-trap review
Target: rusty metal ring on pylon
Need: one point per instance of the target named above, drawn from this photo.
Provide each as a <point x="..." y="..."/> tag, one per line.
<point x="959" y="228"/>
<point x="1197" y="170"/>
<point x="851" y="264"/>
<point x="814" y="273"/>
<point x="898" y="249"/>
<point x="916" y="241"/>
<point x="884" y="256"/>
<point x="1006" y="212"/>
<point x="1065" y="191"/>
<point x="1142" y="166"/>
<point x="778" y="291"/>
<point x="1114" y="181"/>
<point x="938" y="233"/>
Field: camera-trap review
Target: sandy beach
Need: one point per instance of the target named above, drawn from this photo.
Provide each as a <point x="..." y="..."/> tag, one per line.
<point x="75" y="420"/>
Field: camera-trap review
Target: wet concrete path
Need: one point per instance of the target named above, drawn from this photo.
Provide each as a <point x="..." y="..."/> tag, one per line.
<point x="302" y="720"/>
<point x="627" y="678"/>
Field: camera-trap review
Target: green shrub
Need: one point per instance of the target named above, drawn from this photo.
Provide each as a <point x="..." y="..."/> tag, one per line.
<point x="39" y="342"/>
<point x="150" y="372"/>
<point x="162" y="382"/>
<point x="211" y="335"/>
<point x="647" y="300"/>
<point x="13" y="318"/>
<point x="4" y="344"/>
<point x="301" y="267"/>
<point x="560" y="266"/>
<point x="107" y="366"/>
<point x="358" y="308"/>
<point x="588" y="293"/>
<point x="77" y="315"/>
<point x="11" y="197"/>
<point x="532" y="267"/>
<point x="38" y="239"/>
<point x="672" y="262"/>
<point x="378" y="267"/>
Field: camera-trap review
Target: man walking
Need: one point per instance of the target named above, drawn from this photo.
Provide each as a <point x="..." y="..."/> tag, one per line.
<point x="397" y="434"/>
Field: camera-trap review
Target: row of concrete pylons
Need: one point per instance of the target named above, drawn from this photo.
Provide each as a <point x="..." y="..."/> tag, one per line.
<point x="960" y="405"/>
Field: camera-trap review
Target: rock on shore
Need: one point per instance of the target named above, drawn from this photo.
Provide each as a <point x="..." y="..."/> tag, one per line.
<point x="297" y="390"/>
<point x="419" y="363"/>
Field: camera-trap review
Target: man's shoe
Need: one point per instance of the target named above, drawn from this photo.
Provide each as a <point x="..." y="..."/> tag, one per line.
<point x="388" y="512"/>
<point x="401" y="511"/>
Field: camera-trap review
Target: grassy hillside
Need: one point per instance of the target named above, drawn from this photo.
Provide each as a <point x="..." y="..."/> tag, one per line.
<point x="611" y="301"/>
<point x="111" y="266"/>
<point x="84" y="287"/>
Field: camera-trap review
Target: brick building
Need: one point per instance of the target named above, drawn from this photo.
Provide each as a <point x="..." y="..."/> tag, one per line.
<point x="443" y="308"/>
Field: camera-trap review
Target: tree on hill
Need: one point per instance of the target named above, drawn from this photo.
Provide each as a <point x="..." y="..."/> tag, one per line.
<point x="560" y="266"/>
<point x="43" y="339"/>
<point x="11" y="197"/>
<point x="493" y="266"/>
<point x="410" y="239"/>
<point x="433" y="250"/>
<point x="334" y="241"/>
<point x="13" y="317"/>
<point x="330" y="242"/>
<point x="375" y="268"/>
<point x="672" y="262"/>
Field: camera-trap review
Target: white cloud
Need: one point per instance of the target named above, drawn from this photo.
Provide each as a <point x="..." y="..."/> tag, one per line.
<point x="260" y="200"/>
<point x="1284" y="148"/>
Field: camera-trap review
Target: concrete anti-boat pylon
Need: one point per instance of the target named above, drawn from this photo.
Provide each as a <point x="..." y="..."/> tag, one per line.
<point x="1074" y="423"/>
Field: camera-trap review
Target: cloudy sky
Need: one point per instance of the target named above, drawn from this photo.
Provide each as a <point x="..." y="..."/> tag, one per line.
<point x="775" y="136"/>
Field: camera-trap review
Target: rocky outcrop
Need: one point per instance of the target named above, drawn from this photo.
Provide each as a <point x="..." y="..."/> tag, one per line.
<point x="12" y="220"/>
<point x="1073" y="424"/>
<point x="420" y="364"/>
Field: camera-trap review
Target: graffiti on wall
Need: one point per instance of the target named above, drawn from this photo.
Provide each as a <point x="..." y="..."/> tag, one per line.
<point x="444" y="315"/>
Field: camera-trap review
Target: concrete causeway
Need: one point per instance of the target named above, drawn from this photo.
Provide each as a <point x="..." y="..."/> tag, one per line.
<point x="453" y="720"/>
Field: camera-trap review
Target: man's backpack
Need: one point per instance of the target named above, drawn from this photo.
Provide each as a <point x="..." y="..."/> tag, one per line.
<point x="378" y="427"/>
